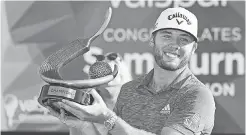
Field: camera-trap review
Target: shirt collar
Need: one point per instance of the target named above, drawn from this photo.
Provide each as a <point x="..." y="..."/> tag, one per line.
<point x="180" y="81"/>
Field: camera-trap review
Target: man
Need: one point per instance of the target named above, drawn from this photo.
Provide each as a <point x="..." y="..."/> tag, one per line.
<point x="169" y="100"/>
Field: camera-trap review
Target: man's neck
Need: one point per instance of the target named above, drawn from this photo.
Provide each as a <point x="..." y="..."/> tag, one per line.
<point x="163" y="78"/>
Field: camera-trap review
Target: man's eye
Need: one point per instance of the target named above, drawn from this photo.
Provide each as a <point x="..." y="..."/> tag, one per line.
<point x="184" y="40"/>
<point x="166" y="36"/>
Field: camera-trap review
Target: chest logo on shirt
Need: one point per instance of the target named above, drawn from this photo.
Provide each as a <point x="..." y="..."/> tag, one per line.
<point x="166" y="110"/>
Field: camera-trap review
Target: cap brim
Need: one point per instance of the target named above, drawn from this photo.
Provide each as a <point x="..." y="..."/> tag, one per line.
<point x="195" y="38"/>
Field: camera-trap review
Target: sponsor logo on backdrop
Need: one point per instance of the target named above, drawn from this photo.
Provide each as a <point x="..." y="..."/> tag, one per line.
<point x="25" y="111"/>
<point x="168" y="3"/>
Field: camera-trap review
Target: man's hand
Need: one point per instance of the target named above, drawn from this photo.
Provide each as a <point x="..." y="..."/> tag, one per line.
<point x="97" y="112"/>
<point x="70" y="121"/>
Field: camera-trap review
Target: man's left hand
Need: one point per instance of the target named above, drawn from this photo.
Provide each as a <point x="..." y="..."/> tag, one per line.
<point x="97" y="112"/>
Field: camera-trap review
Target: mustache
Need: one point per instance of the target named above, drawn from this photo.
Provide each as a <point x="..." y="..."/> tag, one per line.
<point x="166" y="49"/>
<point x="170" y="49"/>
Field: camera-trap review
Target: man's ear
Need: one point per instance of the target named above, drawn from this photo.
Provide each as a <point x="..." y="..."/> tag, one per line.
<point x="152" y="39"/>
<point x="194" y="48"/>
<point x="151" y="42"/>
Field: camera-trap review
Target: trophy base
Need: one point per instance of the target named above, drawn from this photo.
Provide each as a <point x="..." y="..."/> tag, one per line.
<point x="54" y="93"/>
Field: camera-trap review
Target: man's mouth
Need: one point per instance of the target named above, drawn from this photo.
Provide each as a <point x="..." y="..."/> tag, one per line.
<point x="171" y="55"/>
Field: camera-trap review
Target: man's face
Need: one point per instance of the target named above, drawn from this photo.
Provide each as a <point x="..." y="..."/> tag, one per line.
<point x="173" y="48"/>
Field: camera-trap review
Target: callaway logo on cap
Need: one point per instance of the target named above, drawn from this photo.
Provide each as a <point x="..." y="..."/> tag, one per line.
<point x="177" y="18"/>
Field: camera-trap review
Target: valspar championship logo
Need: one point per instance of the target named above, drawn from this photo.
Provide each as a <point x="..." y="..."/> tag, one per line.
<point x="60" y="91"/>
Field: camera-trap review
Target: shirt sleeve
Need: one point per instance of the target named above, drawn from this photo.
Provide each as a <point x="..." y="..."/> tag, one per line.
<point x="123" y="97"/>
<point x="116" y="108"/>
<point x="120" y="101"/>
<point x="194" y="113"/>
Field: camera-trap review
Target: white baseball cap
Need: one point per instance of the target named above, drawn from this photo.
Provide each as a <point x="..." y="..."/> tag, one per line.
<point x="177" y="18"/>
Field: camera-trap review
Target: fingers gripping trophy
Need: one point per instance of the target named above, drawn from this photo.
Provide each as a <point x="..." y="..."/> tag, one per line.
<point x="57" y="88"/>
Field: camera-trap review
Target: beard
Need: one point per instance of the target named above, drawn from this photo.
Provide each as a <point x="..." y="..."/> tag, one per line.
<point x="158" y="55"/>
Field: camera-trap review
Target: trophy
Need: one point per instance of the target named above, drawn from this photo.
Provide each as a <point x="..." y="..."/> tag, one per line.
<point x="57" y="88"/>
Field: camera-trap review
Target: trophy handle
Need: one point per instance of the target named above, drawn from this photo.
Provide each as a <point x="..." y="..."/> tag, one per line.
<point x="49" y="69"/>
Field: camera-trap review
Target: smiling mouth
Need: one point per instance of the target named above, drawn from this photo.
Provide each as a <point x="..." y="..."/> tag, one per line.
<point x="172" y="55"/>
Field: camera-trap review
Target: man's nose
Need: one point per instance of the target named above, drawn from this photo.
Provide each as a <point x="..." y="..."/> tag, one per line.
<point x="174" y="46"/>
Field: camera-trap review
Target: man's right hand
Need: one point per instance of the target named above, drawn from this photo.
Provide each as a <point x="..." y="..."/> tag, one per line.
<point x="75" y="125"/>
<point x="70" y="121"/>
